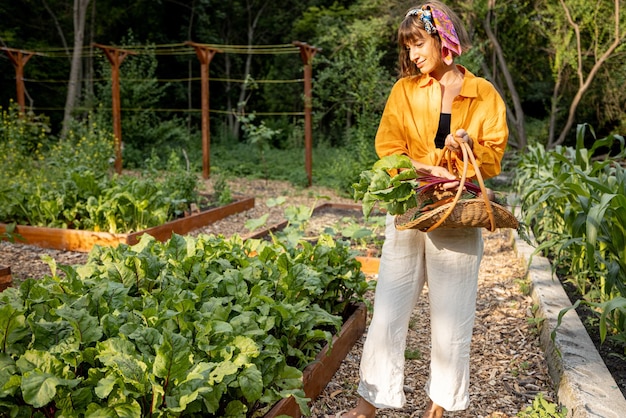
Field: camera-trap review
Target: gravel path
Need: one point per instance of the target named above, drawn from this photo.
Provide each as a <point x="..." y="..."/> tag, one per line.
<point x="507" y="369"/>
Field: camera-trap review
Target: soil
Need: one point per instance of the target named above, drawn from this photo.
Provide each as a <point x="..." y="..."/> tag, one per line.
<point x="613" y="352"/>
<point x="508" y="368"/>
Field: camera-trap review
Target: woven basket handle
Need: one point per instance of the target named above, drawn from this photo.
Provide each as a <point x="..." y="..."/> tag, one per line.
<point x="467" y="154"/>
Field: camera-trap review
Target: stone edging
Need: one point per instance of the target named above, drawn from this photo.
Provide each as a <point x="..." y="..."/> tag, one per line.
<point x="582" y="381"/>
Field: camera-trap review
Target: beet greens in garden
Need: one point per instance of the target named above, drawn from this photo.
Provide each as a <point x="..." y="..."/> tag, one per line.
<point x="191" y="326"/>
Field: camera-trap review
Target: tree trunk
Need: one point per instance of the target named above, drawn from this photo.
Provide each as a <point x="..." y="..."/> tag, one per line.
<point x="80" y="13"/>
<point x="517" y="115"/>
<point x="252" y="23"/>
<point x="554" y="108"/>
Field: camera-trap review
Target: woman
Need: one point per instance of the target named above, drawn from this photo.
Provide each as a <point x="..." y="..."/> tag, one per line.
<point x="434" y="105"/>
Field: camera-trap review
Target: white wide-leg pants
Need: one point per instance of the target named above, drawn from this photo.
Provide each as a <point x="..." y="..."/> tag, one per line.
<point x="448" y="260"/>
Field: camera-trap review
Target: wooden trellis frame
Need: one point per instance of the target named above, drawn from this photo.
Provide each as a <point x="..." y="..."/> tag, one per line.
<point x="19" y="58"/>
<point x="116" y="57"/>
<point x="205" y="54"/>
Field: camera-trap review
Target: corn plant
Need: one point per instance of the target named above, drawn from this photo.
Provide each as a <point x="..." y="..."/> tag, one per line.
<point x="575" y="203"/>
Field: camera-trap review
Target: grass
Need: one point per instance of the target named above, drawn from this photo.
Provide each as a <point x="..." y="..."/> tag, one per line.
<point x="335" y="168"/>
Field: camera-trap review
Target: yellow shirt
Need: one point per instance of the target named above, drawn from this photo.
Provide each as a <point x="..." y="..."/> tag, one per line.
<point x="411" y="118"/>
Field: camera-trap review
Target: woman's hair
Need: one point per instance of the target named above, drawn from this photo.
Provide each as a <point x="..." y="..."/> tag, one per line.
<point x="408" y="33"/>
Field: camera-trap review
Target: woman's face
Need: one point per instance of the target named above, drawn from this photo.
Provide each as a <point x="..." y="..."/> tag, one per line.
<point x="424" y="52"/>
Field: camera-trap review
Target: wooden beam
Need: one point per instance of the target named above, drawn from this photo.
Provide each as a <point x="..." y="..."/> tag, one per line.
<point x="205" y="55"/>
<point x="307" y="52"/>
<point x="19" y="59"/>
<point x="116" y="57"/>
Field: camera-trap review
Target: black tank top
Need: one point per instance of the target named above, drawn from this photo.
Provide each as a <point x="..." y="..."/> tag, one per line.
<point x="443" y="130"/>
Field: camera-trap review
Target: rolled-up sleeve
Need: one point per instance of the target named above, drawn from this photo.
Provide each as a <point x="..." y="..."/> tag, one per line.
<point x="410" y="120"/>
<point x="483" y="116"/>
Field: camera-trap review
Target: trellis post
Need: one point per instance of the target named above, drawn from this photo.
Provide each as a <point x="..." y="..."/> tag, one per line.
<point x="116" y="57"/>
<point x="205" y="55"/>
<point x="307" y="52"/>
<point x="19" y="59"/>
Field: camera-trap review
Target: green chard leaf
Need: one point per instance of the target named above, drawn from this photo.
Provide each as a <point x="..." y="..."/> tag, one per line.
<point x="12" y="326"/>
<point x="173" y="358"/>
<point x="392" y="193"/>
<point x="86" y="327"/>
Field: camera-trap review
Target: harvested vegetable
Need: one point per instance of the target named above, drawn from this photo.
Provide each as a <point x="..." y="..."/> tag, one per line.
<point x="394" y="185"/>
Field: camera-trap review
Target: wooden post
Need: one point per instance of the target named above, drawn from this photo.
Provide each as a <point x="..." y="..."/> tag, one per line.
<point x="116" y="57"/>
<point x="205" y="55"/>
<point x="19" y="59"/>
<point x="307" y="52"/>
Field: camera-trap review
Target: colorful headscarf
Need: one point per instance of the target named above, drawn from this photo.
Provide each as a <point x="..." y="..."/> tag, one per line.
<point x="436" y="21"/>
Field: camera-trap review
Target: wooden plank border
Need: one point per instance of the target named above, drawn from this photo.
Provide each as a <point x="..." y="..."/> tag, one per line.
<point x="317" y="375"/>
<point x="83" y="241"/>
<point x="5" y="277"/>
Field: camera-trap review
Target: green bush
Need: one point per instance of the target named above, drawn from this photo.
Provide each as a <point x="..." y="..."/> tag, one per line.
<point x="68" y="183"/>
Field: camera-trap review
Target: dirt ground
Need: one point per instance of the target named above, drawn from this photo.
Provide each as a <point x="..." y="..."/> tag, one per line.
<point x="507" y="364"/>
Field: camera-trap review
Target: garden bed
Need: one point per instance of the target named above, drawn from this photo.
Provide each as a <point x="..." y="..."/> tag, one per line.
<point x="317" y="375"/>
<point x="84" y="241"/>
<point x="368" y="257"/>
<point x="503" y="383"/>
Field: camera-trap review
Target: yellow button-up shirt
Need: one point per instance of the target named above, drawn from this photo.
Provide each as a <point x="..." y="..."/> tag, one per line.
<point x="411" y="117"/>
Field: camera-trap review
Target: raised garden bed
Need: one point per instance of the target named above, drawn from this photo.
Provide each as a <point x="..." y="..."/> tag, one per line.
<point x="5" y="277"/>
<point x="84" y="241"/>
<point x="369" y="262"/>
<point x="317" y="375"/>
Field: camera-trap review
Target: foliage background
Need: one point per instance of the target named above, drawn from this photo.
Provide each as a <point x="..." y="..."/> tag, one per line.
<point x="353" y="73"/>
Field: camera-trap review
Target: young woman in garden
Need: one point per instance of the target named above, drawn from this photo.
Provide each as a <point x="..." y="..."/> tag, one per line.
<point x="436" y="104"/>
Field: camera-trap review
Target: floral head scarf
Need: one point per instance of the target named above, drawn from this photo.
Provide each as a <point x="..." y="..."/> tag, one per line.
<point x="436" y="21"/>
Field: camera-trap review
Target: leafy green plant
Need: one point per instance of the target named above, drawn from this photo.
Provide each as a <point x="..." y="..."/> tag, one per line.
<point x="394" y="184"/>
<point x="542" y="408"/>
<point x="21" y="134"/>
<point x="535" y="321"/>
<point x="68" y="184"/>
<point x="223" y="195"/>
<point x="191" y="327"/>
<point x="363" y="234"/>
<point x="260" y="136"/>
<point x="9" y="233"/>
<point x="412" y="354"/>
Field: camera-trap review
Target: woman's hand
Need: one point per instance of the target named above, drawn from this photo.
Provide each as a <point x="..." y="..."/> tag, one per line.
<point x="438" y="171"/>
<point x="442" y="172"/>
<point x="453" y="141"/>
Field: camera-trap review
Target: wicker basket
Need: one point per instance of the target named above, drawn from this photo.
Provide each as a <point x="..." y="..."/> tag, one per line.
<point x="460" y="213"/>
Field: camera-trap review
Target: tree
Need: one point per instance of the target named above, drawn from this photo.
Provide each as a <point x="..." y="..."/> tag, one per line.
<point x="80" y="16"/>
<point x="497" y="54"/>
<point x="583" y="39"/>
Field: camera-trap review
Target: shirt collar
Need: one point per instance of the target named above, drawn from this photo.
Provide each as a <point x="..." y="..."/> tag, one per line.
<point x="468" y="89"/>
